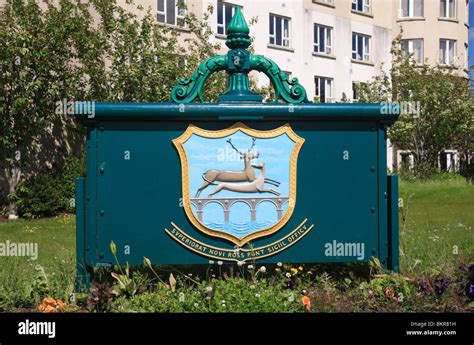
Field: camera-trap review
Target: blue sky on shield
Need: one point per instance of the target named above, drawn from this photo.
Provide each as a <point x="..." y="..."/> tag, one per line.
<point x="204" y="154"/>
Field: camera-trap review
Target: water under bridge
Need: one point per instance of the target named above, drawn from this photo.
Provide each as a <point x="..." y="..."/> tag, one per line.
<point x="226" y="203"/>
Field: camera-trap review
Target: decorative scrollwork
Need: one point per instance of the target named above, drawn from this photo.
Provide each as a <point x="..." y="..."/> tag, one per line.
<point x="290" y="90"/>
<point x="187" y="90"/>
<point x="238" y="63"/>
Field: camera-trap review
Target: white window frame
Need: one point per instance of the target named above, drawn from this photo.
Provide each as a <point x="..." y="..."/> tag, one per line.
<point x="366" y="6"/>
<point x="467" y="12"/>
<point x="410" y="42"/>
<point x="158" y="12"/>
<point x="328" y="86"/>
<point x="446" y="9"/>
<point x="366" y="53"/>
<point x="178" y="16"/>
<point x="224" y="25"/>
<point x="411" y="9"/>
<point x="284" y="38"/>
<point x="466" y="56"/>
<point x="328" y="36"/>
<point x="445" y="60"/>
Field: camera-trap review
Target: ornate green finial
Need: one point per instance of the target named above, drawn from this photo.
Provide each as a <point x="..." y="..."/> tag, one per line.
<point x="238" y="62"/>
<point x="238" y="31"/>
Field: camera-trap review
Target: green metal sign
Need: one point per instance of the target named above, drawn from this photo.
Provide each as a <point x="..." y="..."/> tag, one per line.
<point x="238" y="180"/>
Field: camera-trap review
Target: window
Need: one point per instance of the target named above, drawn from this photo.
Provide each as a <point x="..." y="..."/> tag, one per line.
<point x="447" y="9"/>
<point x="171" y="12"/>
<point x="411" y="8"/>
<point x="447" y="50"/>
<point x="322" y="39"/>
<point x="466" y="57"/>
<point x="415" y="47"/>
<point x="323" y="89"/>
<point x="327" y="2"/>
<point x="360" y="47"/>
<point x="467" y="12"/>
<point x="279" y="30"/>
<point x="405" y="160"/>
<point x="361" y="5"/>
<point x="225" y="12"/>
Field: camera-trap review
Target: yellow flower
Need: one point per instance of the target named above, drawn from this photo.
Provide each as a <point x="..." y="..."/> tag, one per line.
<point x="300" y="268"/>
<point x="113" y="248"/>
<point x="294" y="270"/>
<point x="146" y="262"/>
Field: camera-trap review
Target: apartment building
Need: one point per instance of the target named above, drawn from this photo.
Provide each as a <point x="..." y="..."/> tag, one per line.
<point x="329" y="45"/>
<point x="435" y="31"/>
<point x="332" y="44"/>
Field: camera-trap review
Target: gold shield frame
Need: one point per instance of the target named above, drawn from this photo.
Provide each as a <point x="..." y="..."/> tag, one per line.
<point x="265" y="134"/>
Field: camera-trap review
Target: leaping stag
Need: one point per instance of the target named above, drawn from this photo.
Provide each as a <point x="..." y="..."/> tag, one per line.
<point x="256" y="186"/>
<point x="245" y="175"/>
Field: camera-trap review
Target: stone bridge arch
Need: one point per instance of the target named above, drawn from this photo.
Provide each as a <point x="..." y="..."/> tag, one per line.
<point x="226" y="203"/>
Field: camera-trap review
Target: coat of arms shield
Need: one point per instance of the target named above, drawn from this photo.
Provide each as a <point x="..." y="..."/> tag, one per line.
<point x="239" y="183"/>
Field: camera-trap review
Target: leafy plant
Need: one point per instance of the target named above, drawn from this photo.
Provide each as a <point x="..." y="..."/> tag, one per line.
<point x="442" y="119"/>
<point x="125" y="284"/>
<point x="50" y="192"/>
<point x="101" y="295"/>
<point x="81" y="50"/>
<point x="40" y="285"/>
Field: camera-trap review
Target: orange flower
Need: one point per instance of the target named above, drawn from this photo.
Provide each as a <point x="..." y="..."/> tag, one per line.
<point x="307" y="302"/>
<point x="49" y="301"/>
<point x="42" y="307"/>
<point x="389" y="293"/>
<point x="49" y="309"/>
<point x="60" y="303"/>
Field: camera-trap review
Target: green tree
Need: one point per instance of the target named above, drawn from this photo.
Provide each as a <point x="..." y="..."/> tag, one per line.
<point x="35" y="58"/>
<point x="63" y="52"/>
<point x="440" y="116"/>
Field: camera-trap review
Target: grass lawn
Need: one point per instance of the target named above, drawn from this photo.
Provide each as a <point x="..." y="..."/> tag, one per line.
<point x="436" y="222"/>
<point x="439" y="221"/>
<point x="56" y="238"/>
<point x="21" y="278"/>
